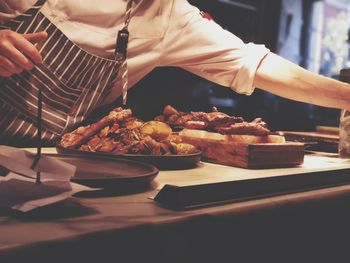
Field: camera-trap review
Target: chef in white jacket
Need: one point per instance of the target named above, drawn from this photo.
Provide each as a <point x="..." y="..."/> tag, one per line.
<point x="162" y="33"/>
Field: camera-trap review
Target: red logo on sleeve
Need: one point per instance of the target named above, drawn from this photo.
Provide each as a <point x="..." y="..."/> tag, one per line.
<point x="206" y="15"/>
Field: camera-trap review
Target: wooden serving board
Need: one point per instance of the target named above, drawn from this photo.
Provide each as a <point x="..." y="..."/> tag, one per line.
<point x="259" y="153"/>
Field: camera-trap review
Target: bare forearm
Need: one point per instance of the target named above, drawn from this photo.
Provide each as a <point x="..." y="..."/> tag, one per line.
<point x="285" y="79"/>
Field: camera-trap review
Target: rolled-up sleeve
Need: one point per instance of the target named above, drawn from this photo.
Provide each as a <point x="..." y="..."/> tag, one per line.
<point x="204" y="48"/>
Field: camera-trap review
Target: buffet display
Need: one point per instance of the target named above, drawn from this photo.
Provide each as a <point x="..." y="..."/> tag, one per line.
<point x="219" y="137"/>
<point x="120" y="133"/>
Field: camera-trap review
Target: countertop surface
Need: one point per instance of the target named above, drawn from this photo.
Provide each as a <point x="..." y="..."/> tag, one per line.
<point x="85" y="219"/>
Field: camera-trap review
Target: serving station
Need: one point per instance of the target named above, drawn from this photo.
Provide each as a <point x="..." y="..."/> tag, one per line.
<point x="221" y="212"/>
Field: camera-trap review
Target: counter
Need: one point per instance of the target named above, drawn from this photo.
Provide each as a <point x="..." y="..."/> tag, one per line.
<point x="293" y="227"/>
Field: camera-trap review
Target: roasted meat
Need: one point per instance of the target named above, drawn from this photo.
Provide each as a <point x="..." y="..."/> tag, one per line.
<point x="121" y="133"/>
<point x="82" y="134"/>
<point x="252" y="128"/>
<point x="215" y="121"/>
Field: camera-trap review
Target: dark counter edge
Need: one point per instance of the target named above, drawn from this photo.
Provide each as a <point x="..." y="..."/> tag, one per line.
<point x="194" y="196"/>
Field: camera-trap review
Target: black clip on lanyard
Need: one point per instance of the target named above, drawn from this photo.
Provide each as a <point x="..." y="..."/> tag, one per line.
<point x="121" y="56"/>
<point x="123" y="35"/>
<point x="122" y="43"/>
<point x="121" y="50"/>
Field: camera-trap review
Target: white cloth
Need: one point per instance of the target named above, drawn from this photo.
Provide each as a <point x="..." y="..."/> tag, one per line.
<point x="162" y="33"/>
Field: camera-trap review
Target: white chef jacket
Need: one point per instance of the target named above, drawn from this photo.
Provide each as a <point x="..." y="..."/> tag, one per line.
<point x="162" y="33"/>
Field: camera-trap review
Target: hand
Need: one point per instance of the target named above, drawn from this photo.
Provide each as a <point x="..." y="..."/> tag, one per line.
<point x="17" y="51"/>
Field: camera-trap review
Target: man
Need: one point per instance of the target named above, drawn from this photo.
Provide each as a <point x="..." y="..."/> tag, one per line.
<point x="67" y="49"/>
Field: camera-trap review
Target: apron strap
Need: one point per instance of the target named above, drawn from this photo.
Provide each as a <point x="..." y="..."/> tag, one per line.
<point x="128" y="13"/>
<point x="121" y="50"/>
<point x="39" y="3"/>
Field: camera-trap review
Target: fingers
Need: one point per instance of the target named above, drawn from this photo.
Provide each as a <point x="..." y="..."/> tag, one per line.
<point x="36" y="37"/>
<point x="28" y="49"/>
<point x="17" y="57"/>
<point x="9" y="65"/>
<point x="5" y="73"/>
<point x="18" y="52"/>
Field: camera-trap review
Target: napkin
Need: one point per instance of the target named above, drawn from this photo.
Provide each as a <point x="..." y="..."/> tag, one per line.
<point x="20" y="161"/>
<point x="18" y="189"/>
<point x="23" y="194"/>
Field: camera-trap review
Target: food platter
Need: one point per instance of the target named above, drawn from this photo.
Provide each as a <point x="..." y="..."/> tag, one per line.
<point x="246" y="151"/>
<point x="163" y="162"/>
<point x="109" y="173"/>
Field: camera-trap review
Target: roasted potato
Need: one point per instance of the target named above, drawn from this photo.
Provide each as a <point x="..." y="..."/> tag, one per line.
<point x="184" y="148"/>
<point x="156" y="130"/>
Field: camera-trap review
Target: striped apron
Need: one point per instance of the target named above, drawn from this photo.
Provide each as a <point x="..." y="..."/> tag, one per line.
<point x="73" y="83"/>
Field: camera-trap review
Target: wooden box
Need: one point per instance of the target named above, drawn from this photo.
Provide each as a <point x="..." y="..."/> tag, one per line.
<point x="245" y="151"/>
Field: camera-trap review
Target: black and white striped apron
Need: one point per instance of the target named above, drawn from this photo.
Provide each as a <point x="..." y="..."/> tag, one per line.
<point x="73" y="83"/>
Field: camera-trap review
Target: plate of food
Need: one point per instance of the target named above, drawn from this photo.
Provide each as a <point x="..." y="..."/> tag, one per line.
<point x="231" y="140"/>
<point x="120" y="135"/>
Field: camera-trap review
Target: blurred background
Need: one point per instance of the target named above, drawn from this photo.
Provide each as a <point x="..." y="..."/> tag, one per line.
<point x="313" y="34"/>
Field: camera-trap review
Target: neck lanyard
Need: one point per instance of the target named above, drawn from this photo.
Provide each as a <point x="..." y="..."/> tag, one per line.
<point x="121" y="50"/>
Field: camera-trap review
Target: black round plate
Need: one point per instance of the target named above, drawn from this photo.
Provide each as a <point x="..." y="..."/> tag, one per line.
<point x="163" y="162"/>
<point x="109" y="173"/>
